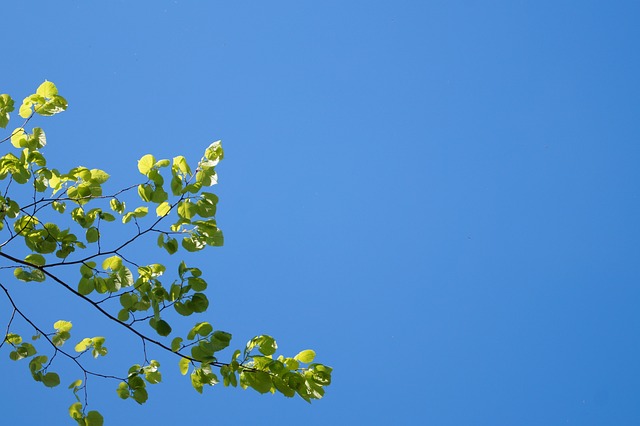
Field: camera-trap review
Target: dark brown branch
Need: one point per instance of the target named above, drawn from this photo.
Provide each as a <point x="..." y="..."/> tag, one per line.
<point x="101" y="310"/>
<point x="56" y="349"/>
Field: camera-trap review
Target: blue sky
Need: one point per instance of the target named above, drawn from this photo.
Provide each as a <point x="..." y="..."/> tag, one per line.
<point x="440" y="198"/>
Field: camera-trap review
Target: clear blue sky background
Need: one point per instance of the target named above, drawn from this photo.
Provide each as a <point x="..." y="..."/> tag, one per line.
<point x="439" y="197"/>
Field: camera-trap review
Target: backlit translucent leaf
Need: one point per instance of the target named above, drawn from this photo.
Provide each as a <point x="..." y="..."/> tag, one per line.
<point x="35" y="259"/>
<point x="140" y="211"/>
<point x="123" y="390"/>
<point x="25" y="109"/>
<point x="99" y="176"/>
<point x="6" y="106"/>
<point x="145" y="191"/>
<point x="180" y="163"/>
<point x="184" y="365"/>
<point x="214" y="152"/>
<point x="163" y="209"/>
<point x="83" y="345"/>
<point x="62" y="325"/>
<point x="187" y="209"/>
<point x="75" y="384"/>
<point x="75" y="411"/>
<point x="114" y="263"/>
<point x="306" y="356"/>
<point x="163" y="163"/>
<point x="13" y="338"/>
<point x="146" y="163"/>
<point x="47" y="90"/>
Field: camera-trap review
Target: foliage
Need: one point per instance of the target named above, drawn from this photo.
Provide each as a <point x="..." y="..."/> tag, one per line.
<point x="57" y="221"/>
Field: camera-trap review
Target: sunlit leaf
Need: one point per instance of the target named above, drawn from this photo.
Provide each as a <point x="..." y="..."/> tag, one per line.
<point x="146" y="163"/>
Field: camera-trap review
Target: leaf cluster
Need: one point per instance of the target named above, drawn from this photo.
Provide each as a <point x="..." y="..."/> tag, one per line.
<point x="60" y="218"/>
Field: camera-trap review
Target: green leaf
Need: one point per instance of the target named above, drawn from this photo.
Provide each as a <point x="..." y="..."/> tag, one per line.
<point x="123" y="315"/>
<point x="187" y="210"/>
<point x="87" y="269"/>
<point x="153" y="377"/>
<point x="258" y="380"/>
<point x="197" y="284"/>
<point x="6" y="106"/>
<point x="84" y="344"/>
<point x="98" y="347"/>
<point x="47" y="90"/>
<point x="123" y="390"/>
<point x="180" y="163"/>
<point x="140" y="212"/>
<point x="201" y="328"/>
<point x="35" y="259"/>
<point x="176" y="344"/>
<point x="183" y="309"/>
<point x="159" y="195"/>
<point x="62" y="326"/>
<point x="51" y="380"/>
<point x="92" y="234"/>
<point x="307" y="356"/>
<point x="184" y="366"/>
<point x="163" y="163"/>
<point x="145" y="192"/>
<point x="163" y="209"/>
<point x="117" y="206"/>
<point x="146" y="163"/>
<point x="94" y="418"/>
<point x="86" y="286"/>
<point x="203" y="376"/>
<point x="214" y="152"/>
<point x="13" y="339"/>
<point x="127" y="300"/>
<point x="220" y="340"/>
<point x="25" y="109"/>
<point x="291" y="364"/>
<point x="140" y="395"/>
<point x="58" y="206"/>
<point x="171" y="246"/>
<point x="107" y="217"/>
<point x="114" y="263"/>
<point x="75" y="411"/>
<point x="267" y="345"/>
<point x="283" y="387"/>
<point x="76" y="384"/>
<point x="163" y="328"/>
<point x="99" y="176"/>
<point x="199" y="302"/>
<point x="176" y="185"/>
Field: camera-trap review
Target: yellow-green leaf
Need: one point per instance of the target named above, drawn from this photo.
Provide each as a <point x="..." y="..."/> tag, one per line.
<point x="146" y="163"/>
<point x="163" y="209"/>
<point x="184" y="366"/>
<point x="305" y="356"/>
<point x="47" y="90"/>
<point x="35" y="259"/>
<point x="114" y="263"/>
<point x="62" y="326"/>
<point x="83" y="345"/>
